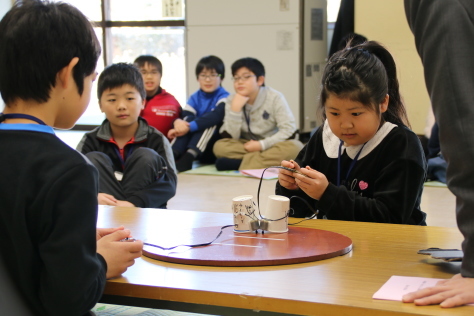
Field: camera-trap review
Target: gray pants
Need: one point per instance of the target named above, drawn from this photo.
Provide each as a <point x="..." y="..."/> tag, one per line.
<point x="444" y="37"/>
<point x="140" y="170"/>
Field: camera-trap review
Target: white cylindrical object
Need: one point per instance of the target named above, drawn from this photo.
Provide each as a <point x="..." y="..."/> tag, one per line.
<point x="276" y="213"/>
<point x="243" y="209"/>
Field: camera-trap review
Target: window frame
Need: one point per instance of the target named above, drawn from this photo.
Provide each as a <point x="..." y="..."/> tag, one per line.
<point x="106" y="24"/>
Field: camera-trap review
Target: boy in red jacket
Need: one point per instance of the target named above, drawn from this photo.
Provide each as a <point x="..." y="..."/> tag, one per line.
<point x="161" y="108"/>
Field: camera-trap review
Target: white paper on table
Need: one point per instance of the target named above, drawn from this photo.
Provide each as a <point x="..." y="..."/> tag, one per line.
<point x="397" y="286"/>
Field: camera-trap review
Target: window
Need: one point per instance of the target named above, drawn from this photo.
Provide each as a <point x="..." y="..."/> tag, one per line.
<point x="333" y="11"/>
<point x="127" y="29"/>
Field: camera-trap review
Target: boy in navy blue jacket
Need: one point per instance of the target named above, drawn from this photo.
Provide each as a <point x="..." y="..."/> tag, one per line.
<point x="196" y="132"/>
<point x="135" y="162"/>
<point x="51" y="249"/>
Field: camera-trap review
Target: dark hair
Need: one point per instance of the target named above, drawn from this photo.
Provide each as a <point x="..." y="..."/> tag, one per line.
<point x="211" y="62"/>
<point x="365" y="73"/>
<point x="37" y="40"/>
<point x="252" y="64"/>
<point x="117" y="75"/>
<point x="140" y="62"/>
<point x="351" y="39"/>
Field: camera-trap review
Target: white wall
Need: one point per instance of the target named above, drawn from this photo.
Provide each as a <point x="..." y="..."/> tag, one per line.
<point x="247" y="28"/>
<point x="373" y="20"/>
<point x="5" y="5"/>
<point x="289" y="41"/>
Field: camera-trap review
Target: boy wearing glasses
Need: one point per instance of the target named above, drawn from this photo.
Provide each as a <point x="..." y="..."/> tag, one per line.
<point x="196" y="132"/>
<point x="259" y="128"/>
<point x="161" y="107"/>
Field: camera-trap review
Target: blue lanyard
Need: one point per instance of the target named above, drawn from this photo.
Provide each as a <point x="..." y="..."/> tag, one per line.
<point x="350" y="167"/>
<point x="19" y="115"/>
<point x="117" y="151"/>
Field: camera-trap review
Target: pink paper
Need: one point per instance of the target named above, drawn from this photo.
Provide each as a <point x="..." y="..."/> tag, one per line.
<point x="257" y="173"/>
<point x="397" y="286"/>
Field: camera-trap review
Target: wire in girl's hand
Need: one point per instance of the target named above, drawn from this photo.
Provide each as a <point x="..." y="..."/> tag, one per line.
<point x="289" y="169"/>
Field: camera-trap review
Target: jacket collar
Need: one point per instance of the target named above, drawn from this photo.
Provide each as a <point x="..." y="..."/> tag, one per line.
<point x="259" y="100"/>
<point x="331" y="142"/>
<point x="141" y="134"/>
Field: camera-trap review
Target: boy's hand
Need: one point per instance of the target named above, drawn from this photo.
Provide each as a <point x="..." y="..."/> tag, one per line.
<point x="181" y="127"/>
<point x="313" y="182"/>
<point x="118" y="255"/>
<point x="101" y="232"/>
<point x="252" y="145"/>
<point x="124" y="203"/>
<point x="286" y="178"/>
<point x="238" y="102"/>
<point x="172" y="134"/>
<point x="454" y="292"/>
<point x="106" y="199"/>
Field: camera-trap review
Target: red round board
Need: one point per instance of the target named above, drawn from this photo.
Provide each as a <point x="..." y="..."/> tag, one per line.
<point x="299" y="244"/>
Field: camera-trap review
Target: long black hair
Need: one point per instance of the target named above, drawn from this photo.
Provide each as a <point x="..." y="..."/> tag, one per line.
<point x="365" y="73"/>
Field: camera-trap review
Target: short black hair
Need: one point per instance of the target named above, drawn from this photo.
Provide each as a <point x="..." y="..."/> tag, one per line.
<point x="252" y="64"/>
<point x="211" y="62"/>
<point x="117" y="75"/>
<point x="37" y="40"/>
<point x="140" y="62"/>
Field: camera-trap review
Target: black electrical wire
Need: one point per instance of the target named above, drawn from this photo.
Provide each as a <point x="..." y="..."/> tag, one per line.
<point x="258" y="206"/>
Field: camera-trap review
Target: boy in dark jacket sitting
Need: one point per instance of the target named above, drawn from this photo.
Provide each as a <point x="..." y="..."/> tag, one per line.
<point x="135" y="161"/>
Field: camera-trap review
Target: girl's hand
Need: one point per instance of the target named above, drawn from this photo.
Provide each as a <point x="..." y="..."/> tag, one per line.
<point x="286" y="178"/>
<point x="313" y="182"/>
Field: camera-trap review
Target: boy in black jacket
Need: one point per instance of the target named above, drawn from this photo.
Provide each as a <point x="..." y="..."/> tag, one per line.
<point x="135" y="161"/>
<point x="52" y="251"/>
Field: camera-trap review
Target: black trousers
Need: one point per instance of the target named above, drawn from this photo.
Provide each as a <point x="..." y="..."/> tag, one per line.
<point x="141" y="169"/>
<point x="444" y="35"/>
<point x="201" y="142"/>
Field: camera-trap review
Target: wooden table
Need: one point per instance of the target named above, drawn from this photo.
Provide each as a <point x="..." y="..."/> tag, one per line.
<point x="338" y="286"/>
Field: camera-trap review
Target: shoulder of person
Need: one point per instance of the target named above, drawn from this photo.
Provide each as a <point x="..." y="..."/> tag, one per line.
<point x="403" y="141"/>
<point x="222" y="92"/>
<point x="403" y="132"/>
<point x="274" y="94"/>
<point x="71" y="159"/>
<point x="166" y="94"/>
<point x="145" y="129"/>
<point x="155" y="135"/>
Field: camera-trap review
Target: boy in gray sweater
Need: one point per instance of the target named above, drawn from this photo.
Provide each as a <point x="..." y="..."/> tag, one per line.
<point x="259" y="128"/>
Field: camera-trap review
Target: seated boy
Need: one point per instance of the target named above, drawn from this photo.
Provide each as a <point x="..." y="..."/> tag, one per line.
<point x="135" y="162"/>
<point x="195" y="134"/>
<point x="259" y="128"/>
<point x="51" y="249"/>
<point x="161" y="108"/>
